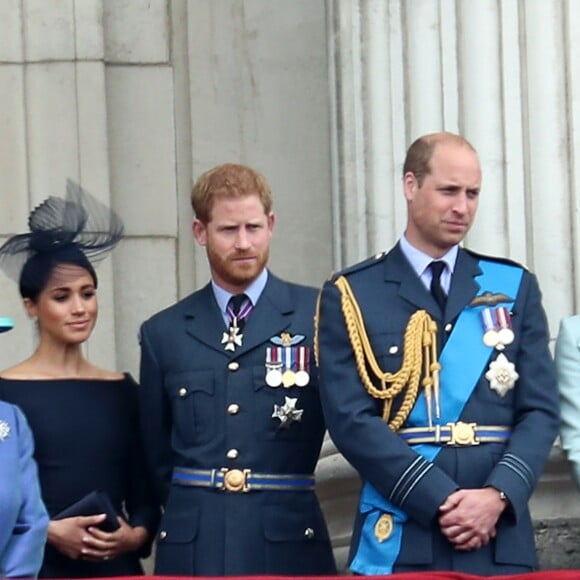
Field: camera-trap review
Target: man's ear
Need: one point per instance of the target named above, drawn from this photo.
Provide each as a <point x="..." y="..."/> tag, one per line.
<point x="271" y="221"/>
<point x="410" y="185"/>
<point x="199" y="232"/>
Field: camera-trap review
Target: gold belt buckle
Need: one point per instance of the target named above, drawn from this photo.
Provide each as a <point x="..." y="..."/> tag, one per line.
<point x="235" y="480"/>
<point x="462" y="434"/>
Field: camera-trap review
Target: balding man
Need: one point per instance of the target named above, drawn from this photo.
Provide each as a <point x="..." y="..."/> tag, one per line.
<point x="437" y="384"/>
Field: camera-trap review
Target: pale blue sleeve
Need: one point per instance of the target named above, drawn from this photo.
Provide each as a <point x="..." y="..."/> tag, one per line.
<point x="25" y="549"/>
<point x="568" y="368"/>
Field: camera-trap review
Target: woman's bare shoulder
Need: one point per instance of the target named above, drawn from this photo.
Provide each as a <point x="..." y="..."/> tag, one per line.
<point x="27" y="370"/>
<point x="21" y="371"/>
<point x="105" y="374"/>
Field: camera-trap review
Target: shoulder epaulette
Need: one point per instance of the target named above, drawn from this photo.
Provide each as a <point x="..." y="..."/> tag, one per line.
<point x="360" y="265"/>
<point x="496" y="259"/>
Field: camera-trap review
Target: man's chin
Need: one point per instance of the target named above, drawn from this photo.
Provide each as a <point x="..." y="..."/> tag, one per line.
<point x="244" y="278"/>
<point x="454" y="238"/>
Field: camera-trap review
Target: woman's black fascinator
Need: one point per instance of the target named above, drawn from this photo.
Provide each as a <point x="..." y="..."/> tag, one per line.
<point x="78" y="230"/>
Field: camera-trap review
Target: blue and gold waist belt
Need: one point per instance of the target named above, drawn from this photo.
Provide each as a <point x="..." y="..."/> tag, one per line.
<point x="458" y="434"/>
<point x="242" y="480"/>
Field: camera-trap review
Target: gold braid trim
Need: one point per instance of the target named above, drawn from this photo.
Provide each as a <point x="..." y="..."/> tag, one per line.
<point x="316" y="329"/>
<point x="420" y="350"/>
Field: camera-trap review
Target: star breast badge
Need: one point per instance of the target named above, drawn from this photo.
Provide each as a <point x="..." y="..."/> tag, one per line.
<point x="502" y="375"/>
<point x="287" y="413"/>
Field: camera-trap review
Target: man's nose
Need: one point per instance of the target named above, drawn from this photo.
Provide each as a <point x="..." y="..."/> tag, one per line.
<point x="242" y="239"/>
<point x="461" y="203"/>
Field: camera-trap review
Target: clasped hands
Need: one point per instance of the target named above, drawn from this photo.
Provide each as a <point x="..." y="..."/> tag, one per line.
<point x="468" y="517"/>
<point x="80" y="538"/>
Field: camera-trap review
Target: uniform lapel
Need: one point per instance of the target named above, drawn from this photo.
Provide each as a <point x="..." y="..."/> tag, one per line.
<point x="203" y="319"/>
<point x="463" y="285"/>
<point x="399" y="270"/>
<point x="269" y="317"/>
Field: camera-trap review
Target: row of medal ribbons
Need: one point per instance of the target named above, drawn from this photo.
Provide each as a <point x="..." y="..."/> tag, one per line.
<point x="287" y="366"/>
<point x="497" y="327"/>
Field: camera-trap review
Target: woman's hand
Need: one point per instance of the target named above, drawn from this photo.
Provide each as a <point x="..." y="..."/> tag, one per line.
<point x="67" y="535"/>
<point x="99" y="545"/>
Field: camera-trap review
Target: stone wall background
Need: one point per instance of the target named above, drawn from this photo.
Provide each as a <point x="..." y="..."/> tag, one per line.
<point x="135" y="98"/>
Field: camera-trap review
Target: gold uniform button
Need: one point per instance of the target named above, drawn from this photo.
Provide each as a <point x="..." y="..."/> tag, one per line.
<point x="232" y="454"/>
<point x="182" y="392"/>
<point x="309" y="533"/>
<point x="448" y="327"/>
<point x="393" y="349"/>
<point x="234" y="366"/>
<point x="233" y="409"/>
<point x="162" y="534"/>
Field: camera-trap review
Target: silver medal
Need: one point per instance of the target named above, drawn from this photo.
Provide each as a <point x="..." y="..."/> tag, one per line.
<point x="302" y="378"/>
<point x="274" y="377"/>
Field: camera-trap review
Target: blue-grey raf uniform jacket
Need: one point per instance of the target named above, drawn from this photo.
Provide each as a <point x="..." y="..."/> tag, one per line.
<point x="22" y="513"/>
<point x="204" y="407"/>
<point x="389" y="292"/>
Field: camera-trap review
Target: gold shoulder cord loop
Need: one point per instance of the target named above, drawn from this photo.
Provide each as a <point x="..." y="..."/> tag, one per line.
<point x="420" y="350"/>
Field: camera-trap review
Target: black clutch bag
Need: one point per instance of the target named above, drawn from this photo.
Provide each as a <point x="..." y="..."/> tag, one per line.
<point x="95" y="502"/>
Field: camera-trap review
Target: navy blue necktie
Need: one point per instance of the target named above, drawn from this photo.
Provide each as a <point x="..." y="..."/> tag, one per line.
<point x="238" y="309"/>
<point x="437" y="291"/>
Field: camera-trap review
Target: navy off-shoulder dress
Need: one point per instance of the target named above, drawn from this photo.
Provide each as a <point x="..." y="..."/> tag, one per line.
<point x="86" y="434"/>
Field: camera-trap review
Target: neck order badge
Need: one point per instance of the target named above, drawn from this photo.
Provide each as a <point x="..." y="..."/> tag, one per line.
<point x="238" y="309"/>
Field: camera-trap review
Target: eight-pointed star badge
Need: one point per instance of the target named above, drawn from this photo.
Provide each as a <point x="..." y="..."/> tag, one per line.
<point x="502" y="375"/>
<point x="287" y="413"/>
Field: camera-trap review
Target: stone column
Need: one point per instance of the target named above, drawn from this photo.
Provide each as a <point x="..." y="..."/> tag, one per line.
<point x="505" y="75"/>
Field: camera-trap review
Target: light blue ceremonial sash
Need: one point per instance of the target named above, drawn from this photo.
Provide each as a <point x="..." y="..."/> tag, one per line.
<point x="458" y="377"/>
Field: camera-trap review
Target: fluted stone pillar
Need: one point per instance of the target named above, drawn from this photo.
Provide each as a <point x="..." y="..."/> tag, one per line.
<point x="503" y="73"/>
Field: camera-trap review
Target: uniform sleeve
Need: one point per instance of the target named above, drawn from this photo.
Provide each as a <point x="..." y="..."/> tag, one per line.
<point x="536" y="413"/>
<point x="155" y="418"/>
<point x="354" y="421"/>
<point x="142" y="505"/>
<point x="25" y="550"/>
<point x="568" y="372"/>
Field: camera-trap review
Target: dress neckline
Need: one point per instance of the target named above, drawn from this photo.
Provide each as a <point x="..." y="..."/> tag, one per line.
<point x="126" y="376"/>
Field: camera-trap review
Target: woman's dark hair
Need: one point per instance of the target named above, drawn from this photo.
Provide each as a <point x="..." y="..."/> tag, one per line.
<point x="39" y="268"/>
<point x="78" y="230"/>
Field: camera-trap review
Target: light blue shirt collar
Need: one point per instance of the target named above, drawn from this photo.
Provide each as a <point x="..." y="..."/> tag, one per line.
<point x="253" y="292"/>
<point x="420" y="263"/>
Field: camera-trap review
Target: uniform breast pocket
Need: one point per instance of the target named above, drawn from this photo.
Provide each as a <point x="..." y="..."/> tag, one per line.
<point x="388" y="350"/>
<point x="192" y="400"/>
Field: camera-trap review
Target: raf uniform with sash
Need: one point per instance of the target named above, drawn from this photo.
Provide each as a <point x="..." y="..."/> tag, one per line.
<point x="233" y="426"/>
<point x="485" y="413"/>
